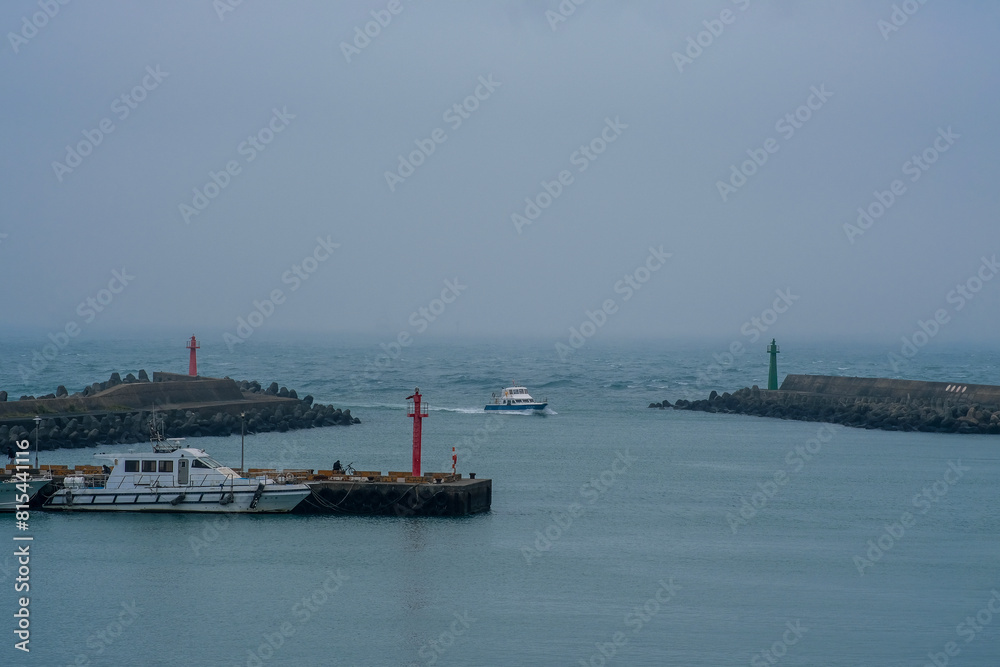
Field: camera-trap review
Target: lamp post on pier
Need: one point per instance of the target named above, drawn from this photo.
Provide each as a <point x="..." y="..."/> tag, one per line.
<point x="242" y="436"/>
<point x="38" y="420"/>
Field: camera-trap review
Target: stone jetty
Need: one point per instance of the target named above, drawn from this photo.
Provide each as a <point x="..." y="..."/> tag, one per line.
<point x="119" y="411"/>
<point x="397" y="494"/>
<point x="872" y="403"/>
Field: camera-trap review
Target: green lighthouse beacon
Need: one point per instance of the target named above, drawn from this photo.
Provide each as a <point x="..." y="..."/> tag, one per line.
<point x="772" y="373"/>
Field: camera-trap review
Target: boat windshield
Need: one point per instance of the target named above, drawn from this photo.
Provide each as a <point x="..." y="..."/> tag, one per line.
<point x="205" y="462"/>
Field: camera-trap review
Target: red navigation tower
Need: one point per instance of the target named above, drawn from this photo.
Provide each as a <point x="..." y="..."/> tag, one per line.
<point x="418" y="412"/>
<point x="193" y="364"/>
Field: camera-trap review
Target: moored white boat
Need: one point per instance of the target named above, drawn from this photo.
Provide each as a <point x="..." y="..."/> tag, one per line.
<point x="14" y="491"/>
<point x="515" y="398"/>
<point x="171" y="478"/>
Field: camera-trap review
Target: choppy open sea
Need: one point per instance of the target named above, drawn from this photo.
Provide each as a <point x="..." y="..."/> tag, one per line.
<point x="618" y="534"/>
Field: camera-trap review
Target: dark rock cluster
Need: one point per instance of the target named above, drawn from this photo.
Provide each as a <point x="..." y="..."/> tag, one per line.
<point x="254" y="387"/>
<point x="89" y="390"/>
<point x="939" y="416"/>
<point x="114" y="380"/>
<point x="122" y="427"/>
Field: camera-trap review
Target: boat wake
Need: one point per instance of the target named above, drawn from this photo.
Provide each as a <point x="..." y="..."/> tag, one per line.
<point x="459" y="410"/>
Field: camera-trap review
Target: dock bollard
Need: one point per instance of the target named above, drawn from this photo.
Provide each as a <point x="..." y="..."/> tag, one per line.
<point x="472" y="475"/>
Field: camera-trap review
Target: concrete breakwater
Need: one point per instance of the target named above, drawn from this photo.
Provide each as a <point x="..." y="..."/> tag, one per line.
<point x="874" y="403"/>
<point x="119" y="411"/>
<point x="434" y="494"/>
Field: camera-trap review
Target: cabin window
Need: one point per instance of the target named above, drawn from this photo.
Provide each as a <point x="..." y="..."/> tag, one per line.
<point x="131" y="466"/>
<point x="205" y="462"/>
<point x="166" y="466"/>
<point x="149" y="466"/>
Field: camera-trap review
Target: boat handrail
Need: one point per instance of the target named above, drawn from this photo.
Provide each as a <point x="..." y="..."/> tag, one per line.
<point x="36" y="476"/>
<point x="153" y="481"/>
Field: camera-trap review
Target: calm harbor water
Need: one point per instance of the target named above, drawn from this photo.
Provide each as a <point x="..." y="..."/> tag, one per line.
<point x="618" y="534"/>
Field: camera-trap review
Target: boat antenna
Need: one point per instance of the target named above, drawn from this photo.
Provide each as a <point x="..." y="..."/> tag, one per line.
<point x="154" y="433"/>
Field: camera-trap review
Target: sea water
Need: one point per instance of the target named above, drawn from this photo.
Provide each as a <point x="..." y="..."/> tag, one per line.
<point x="618" y="534"/>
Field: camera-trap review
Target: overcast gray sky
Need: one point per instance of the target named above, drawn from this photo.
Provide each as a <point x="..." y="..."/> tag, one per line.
<point x="647" y="108"/>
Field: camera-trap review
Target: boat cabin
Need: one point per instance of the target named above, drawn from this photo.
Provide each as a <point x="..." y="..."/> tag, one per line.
<point x="167" y="465"/>
<point x="516" y="396"/>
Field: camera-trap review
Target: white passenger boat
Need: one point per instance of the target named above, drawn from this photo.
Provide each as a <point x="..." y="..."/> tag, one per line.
<point x="14" y="491"/>
<point x="172" y="478"/>
<point x="515" y="398"/>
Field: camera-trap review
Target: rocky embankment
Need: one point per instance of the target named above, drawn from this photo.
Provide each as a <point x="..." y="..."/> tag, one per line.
<point x="263" y="409"/>
<point x="952" y="415"/>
